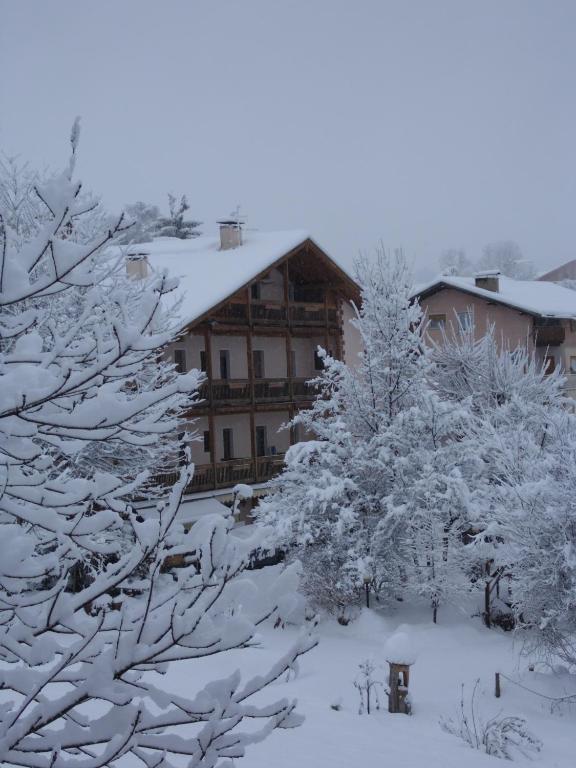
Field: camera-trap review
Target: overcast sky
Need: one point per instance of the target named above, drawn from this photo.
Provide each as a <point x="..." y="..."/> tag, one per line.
<point x="425" y="124"/>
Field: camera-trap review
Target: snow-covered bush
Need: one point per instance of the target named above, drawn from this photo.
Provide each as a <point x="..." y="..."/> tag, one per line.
<point x="501" y="736"/>
<point x="368" y="687"/>
<point x="80" y="658"/>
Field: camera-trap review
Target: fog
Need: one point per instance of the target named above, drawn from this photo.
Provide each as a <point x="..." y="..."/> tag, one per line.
<point x="424" y="125"/>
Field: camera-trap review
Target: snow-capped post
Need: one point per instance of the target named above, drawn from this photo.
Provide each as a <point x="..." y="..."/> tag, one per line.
<point x="400" y="656"/>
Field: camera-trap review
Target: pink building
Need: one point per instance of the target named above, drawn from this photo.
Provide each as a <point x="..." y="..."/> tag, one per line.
<point x="558" y="274"/>
<point x="539" y="314"/>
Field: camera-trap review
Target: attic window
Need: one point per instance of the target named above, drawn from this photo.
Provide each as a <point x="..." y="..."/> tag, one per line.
<point x="255" y="291"/>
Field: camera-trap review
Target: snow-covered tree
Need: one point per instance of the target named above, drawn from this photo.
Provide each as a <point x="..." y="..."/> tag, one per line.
<point x="454" y="261"/>
<point x="143" y="219"/>
<point x="175" y="224"/>
<point x="507" y="257"/>
<point x="440" y="507"/>
<point x="80" y="661"/>
<point x="346" y="500"/>
<point x="524" y="433"/>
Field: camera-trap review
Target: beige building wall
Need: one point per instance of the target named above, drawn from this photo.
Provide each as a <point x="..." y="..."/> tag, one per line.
<point x="192" y="344"/>
<point x="240" y="425"/>
<point x="273" y="421"/>
<point x="274" y="348"/>
<point x="304" y="349"/>
<point x="198" y="427"/>
<point x="236" y="345"/>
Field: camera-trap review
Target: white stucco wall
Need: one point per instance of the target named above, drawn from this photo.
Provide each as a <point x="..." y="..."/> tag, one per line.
<point x="304" y="349"/>
<point x="274" y="348"/>
<point x="273" y="421"/>
<point x="240" y="424"/>
<point x="236" y="345"/>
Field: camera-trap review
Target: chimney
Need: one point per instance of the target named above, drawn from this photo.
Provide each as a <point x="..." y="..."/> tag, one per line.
<point x="488" y="280"/>
<point x="137" y="265"/>
<point x="230" y="234"/>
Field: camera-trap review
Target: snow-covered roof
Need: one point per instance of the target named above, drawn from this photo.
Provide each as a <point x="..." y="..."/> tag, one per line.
<point x="209" y="275"/>
<point x="533" y="296"/>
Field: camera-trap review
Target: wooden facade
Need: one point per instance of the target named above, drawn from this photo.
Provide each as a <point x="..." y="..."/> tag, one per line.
<point x="293" y="306"/>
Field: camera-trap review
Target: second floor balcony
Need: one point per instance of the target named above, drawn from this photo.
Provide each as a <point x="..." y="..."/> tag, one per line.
<point x="230" y="392"/>
<point x="262" y="312"/>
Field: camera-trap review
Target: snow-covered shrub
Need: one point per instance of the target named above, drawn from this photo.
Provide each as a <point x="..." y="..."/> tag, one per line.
<point x="80" y="658"/>
<point x="368" y="687"/>
<point x="501" y="736"/>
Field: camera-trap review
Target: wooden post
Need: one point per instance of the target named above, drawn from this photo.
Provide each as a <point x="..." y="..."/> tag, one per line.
<point x="211" y="426"/>
<point x="497" y="685"/>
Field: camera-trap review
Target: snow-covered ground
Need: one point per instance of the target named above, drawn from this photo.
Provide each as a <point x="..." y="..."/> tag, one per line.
<point x="458" y="650"/>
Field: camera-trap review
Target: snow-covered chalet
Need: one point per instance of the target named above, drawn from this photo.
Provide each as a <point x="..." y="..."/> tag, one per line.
<point x="256" y="306"/>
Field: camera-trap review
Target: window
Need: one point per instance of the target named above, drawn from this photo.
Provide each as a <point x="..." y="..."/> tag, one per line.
<point x="293" y="362"/>
<point x="207" y="442"/>
<point x="227" y="444"/>
<point x="180" y="360"/>
<point x="573" y="365"/>
<point x="258" y="363"/>
<point x="203" y="361"/>
<point x="549" y="364"/>
<point x="261" y="441"/>
<point x="436" y="322"/>
<point x="465" y="320"/>
<point x="224" y="364"/>
<point x="318" y="361"/>
<point x="255" y="291"/>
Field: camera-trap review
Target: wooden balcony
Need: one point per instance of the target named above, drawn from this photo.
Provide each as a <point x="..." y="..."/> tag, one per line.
<point x="307" y="313"/>
<point x="268" y="313"/>
<point x="233" y="392"/>
<point x="227" y="474"/>
<point x="271" y="390"/>
<point x="549" y="335"/>
<point x="230" y="391"/>
<point x="260" y="312"/>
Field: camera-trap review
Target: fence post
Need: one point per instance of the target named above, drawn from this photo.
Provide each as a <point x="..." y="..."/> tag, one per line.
<point x="497" y="685"/>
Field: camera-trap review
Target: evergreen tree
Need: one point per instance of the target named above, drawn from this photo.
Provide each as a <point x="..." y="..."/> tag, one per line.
<point x="175" y="225"/>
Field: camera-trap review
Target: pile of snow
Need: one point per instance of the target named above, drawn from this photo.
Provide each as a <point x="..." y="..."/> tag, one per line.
<point x="399" y="649"/>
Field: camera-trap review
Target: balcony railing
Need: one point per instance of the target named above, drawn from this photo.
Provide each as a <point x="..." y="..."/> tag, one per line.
<point x="276" y="313"/>
<point x="271" y="390"/>
<point x="230" y="391"/>
<point x="312" y="314"/>
<point x="268" y="466"/>
<point x="228" y="473"/>
<point x="237" y="391"/>
<point x="549" y="335"/>
<point x="269" y="312"/>
<point x="234" y="312"/>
